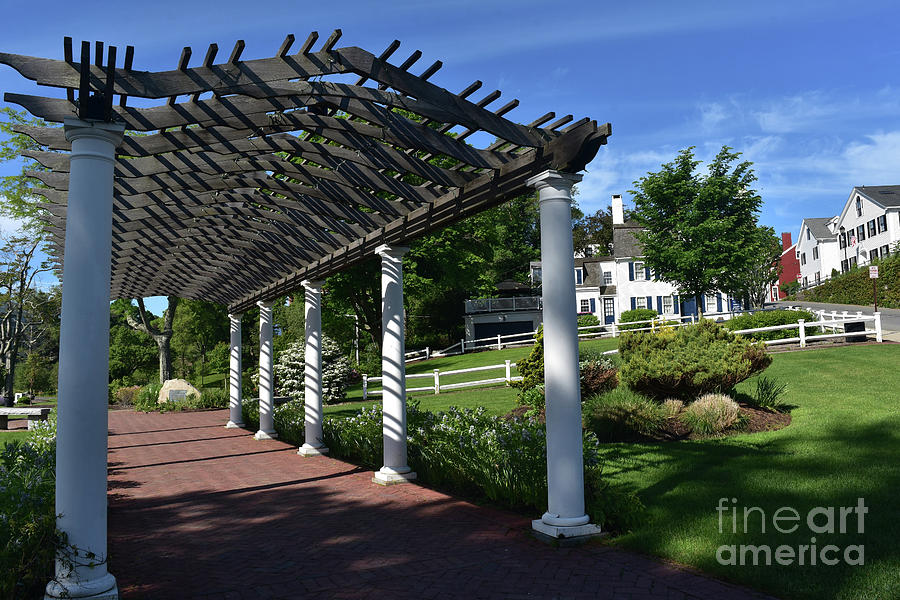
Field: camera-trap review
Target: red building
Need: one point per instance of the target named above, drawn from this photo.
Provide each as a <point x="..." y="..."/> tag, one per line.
<point x="790" y="267"/>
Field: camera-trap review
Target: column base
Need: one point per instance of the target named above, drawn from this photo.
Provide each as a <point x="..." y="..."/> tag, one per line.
<point x="265" y="435"/>
<point x="560" y="532"/>
<point x="233" y="425"/>
<point x="382" y="478"/>
<point x="56" y="591"/>
<point x="307" y="451"/>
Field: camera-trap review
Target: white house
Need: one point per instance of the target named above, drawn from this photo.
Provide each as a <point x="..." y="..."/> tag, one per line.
<point x="869" y="225"/>
<point x="817" y="250"/>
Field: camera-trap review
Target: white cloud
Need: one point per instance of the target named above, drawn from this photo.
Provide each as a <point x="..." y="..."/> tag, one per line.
<point x="876" y="162"/>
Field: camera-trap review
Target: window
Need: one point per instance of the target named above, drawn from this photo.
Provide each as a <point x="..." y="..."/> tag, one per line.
<point x="585" y="306"/>
<point x="843" y="239"/>
<point x="860" y="233"/>
<point x="882" y="223"/>
<point x="871" y="227"/>
<point x="858" y="206"/>
<point x="807" y="233"/>
<point x="805" y="282"/>
<point x="640" y="302"/>
<point x="803" y="258"/>
<point x="640" y="274"/>
<point x="668" y="305"/>
<point x="818" y="277"/>
<point x="536" y="275"/>
<point x="579" y="276"/>
<point x="711" y="303"/>
<point x="607" y="277"/>
<point x="844" y="264"/>
<point x="885" y="251"/>
<point x="852" y="261"/>
<point x="815" y="253"/>
<point x="873" y="253"/>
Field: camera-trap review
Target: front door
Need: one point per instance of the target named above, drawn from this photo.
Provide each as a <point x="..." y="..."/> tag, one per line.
<point x="609" y="311"/>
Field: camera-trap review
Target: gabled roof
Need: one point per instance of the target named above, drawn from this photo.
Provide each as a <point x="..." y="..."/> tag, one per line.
<point x="887" y="196"/>
<point x="818" y="227"/>
<point x="274" y="170"/>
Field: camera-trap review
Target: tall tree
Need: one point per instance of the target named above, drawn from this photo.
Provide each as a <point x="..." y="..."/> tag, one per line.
<point x="594" y="231"/>
<point x="18" y="269"/>
<point x="198" y="327"/>
<point x="700" y="229"/>
<point x="20" y="202"/>
<point x="754" y="283"/>
<point x="162" y="335"/>
<point x="132" y="354"/>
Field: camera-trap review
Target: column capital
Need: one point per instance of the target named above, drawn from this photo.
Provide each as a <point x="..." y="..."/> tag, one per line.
<point x="108" y="132"/>
<point x="266" y="304"/>
<point x="555" y="179"/>
<point x="312" y="285"/>
<point x="235" y="316"/>
<point x="387" y="251"/>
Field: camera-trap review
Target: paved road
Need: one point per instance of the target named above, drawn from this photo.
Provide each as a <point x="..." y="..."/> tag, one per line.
<point x="890" y="317"/>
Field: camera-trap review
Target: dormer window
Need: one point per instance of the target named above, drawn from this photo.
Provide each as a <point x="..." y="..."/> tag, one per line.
<point x="579" y="276"/>
<point x="807" y="234"/>
<point x="858" y="206"/>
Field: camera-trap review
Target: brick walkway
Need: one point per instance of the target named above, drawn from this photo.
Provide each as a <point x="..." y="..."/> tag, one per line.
<point x="200" y="511"/>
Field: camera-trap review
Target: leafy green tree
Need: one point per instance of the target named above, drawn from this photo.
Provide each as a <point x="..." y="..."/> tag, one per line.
<point x="161" y="332"/>
<point x="197" y="328"/>
<point x="594" y="230"/>
<point x="754" y="283"/>
<point x="132" y="355"/>
<point x="19" y="198"/>
<point x="701" y="230"/>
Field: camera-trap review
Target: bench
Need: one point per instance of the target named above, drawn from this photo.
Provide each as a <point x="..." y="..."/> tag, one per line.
<point x="33" y="414"/>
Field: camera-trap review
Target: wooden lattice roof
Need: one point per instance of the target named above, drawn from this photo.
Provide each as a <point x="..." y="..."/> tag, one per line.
<point x="251" y="176"/>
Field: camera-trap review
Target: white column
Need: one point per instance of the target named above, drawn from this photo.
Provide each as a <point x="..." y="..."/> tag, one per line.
<point x="393" y="368"/>
<point x="81" y="441"/>
<point x="236" y="420"/>
<point x="312" y="382"/>
<point x="565" y="516"/>
<point x="266" y="375"/>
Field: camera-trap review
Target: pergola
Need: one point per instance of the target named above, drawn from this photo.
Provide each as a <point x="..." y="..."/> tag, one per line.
<point x="250" y="178"/>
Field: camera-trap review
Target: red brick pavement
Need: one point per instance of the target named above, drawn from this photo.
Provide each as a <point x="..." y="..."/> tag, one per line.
<point x="200" y="511"/>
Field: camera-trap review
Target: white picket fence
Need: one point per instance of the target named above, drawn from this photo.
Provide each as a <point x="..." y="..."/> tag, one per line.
<point x="833" y="324"/>
<point x="436" y="375"/>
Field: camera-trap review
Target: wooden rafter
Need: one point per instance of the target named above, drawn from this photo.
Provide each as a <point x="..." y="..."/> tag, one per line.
<point x="287" y="171"/>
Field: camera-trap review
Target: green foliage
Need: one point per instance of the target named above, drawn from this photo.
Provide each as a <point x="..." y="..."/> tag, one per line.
<point x="28" y="535"/>
<point x="133" y="355"/>
<point x="588" y="321"/>
<point x="711" y="414"/>
<point x="763" y="270"/>
<point x="769" y="318"/>
<point x="531" y="368"/>
<point x="198" y="326"/>
<point x="701" y="232"/>
<point x="791" y="287"/>
<point x="146" y="400"/>
<point x="290" y="366"/>
<point x="125" y="396"/>
<point x="614" y="507"/>
<point x="855" y="287"/>
<point x="19" y="198"/>
<point x="593" y="230"/>
<point x="623" y="415"/>
<point x="768" y="394"/>
<point x="533" y="397"/>
<point x="597" y="376"/>
<point x="637" y="314"/>
<point x="688" y="361"/>
<point x="35" y="374"/>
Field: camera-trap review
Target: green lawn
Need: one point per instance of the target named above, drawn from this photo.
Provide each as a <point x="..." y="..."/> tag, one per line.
<point x="842" y="445"/>
<point x="15" y="434"/>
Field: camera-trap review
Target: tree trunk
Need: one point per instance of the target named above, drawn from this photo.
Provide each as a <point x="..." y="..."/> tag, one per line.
<point x="165" y="357"/>
<point x="8" y="394"/>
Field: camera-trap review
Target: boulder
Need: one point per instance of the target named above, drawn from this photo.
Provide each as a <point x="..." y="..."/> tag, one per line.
<point x="176" y="390"/>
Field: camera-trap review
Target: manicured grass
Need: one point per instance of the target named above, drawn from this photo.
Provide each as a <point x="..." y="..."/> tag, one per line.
<point x="497" y="401"/>
<point x="16" y="434"/>
<point x="841" y="446"/>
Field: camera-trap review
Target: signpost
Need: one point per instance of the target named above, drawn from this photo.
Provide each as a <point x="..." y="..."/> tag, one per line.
<point x="873" y="275"/>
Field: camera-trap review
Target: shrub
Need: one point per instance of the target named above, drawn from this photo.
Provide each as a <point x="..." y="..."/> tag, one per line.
<point x="146" y="399"/>
<point x="672" y="407"/>
<point x="209" y="398"/>
<point x="688" y="361"/>
<point x="588" y="320"/>
<point x="711" y="414"/>
<point x="623" y="415"/>
<point x="531" y="368"/>
<point x="769" y="318"/>
<point x="533" y="397"/>
<point x="290" y="369"/>
<point x="768" y="394"/>
<point x="637" y="314"/>
<point x="597" y="376"/>
<point x="28" y="535"/>
<point x="855" y="287"/>
<point x="125" y="395"/>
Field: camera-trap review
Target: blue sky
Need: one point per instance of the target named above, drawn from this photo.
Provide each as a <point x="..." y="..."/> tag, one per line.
<point x="807" y="90"/>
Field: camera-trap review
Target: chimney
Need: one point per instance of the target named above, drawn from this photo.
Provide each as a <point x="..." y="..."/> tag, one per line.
<point x="786" y="240"/>
<point x="618" y="211"/>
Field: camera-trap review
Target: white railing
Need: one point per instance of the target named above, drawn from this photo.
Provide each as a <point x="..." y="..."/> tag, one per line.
<point x="436" y="375"/>
<point x="832" y="324"/>
<point x="482" y="305"/>
<point x="418" y="355"/>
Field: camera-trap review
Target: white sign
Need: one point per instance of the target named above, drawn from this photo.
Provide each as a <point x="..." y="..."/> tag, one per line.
<point x="799" y="278"/>
<point x="873" y="272"/>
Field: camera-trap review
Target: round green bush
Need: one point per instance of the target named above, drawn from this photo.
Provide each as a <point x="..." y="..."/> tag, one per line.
<point x="637" y="314"/>
<point x="623" y="415"/>
<point x="711" y="414"/>
<point x="688" y="361"/>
